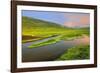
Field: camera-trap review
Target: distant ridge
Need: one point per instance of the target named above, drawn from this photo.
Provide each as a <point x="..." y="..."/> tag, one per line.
<point x="29" y="22"/>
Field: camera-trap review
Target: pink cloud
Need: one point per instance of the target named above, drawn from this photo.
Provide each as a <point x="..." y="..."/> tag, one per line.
<point x="85" y="20"/>
<point x="71" y="24"/>
<point x="76" y="20"/>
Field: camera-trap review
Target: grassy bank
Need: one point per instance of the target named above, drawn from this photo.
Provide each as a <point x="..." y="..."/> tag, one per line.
<point x="50" y="41"/>
<point x="76" y="53"/>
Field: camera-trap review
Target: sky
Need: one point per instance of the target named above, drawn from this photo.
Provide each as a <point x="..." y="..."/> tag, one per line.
<point x="69" y="19"/>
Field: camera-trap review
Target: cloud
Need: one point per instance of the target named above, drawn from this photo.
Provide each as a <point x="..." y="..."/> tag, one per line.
<point x="77" y="20"/>
<point x="85" y="20"/>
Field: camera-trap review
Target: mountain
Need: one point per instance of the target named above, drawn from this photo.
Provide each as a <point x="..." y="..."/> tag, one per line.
<point x="31" y="23"/>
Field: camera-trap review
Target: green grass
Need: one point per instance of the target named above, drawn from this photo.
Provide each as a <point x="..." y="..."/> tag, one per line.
<point x="30" y="40"/>
<point x="65" y="33"/>
<point x="76" y="53"/>
<point x="51" y="41"/>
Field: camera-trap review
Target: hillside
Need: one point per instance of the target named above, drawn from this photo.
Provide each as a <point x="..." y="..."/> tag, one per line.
<point x="30" y="23"/>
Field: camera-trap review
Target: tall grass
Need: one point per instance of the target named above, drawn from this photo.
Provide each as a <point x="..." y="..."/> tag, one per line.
<point x="76" y="53"/>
